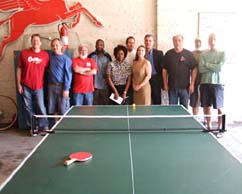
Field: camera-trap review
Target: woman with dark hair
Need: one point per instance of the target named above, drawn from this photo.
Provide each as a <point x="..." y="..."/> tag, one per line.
<point x="119" y="74"/>
<point x="141" y="71"/>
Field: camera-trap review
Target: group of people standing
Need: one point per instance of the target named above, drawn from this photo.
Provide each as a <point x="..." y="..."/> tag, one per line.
<point x="136" y="75"/>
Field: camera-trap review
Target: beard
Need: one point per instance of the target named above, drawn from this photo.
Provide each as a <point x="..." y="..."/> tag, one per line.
<point x="100" y="50"/>
<point x="83" y="56"/>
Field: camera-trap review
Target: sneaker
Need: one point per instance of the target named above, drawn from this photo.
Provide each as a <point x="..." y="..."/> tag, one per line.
<point x="47" y="130"/>
<point x="43" y="133"/>
<point x="34" y="132"/>
<point x="50" y="131"/>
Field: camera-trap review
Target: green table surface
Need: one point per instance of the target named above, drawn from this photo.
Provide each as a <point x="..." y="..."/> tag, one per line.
<point x="129" y="163"/>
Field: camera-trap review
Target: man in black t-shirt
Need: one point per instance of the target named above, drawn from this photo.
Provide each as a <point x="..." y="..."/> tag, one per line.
<point x="179" y="72"/>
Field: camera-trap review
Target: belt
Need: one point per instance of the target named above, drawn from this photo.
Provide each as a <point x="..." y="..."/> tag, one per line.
<point x="56" y="84"/>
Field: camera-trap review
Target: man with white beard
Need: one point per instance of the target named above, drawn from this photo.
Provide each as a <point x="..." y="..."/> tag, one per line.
<point x="83" y="84"/>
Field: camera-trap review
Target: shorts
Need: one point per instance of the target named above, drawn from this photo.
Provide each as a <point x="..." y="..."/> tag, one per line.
<point x="212" y="94"/>
<point x="195" y="98"/>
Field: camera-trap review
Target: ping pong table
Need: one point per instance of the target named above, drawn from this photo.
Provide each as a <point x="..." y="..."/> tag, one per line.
<point x="130" y="156"/>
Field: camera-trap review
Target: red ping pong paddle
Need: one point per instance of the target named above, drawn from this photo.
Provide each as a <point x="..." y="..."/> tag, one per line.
<point x="78" y="156"/>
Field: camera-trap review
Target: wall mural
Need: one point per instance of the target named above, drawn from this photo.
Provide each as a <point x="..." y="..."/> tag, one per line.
<point x="26" y="13"/>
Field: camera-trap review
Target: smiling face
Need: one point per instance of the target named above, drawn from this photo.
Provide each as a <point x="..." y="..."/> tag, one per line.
<point x="83" y="51"/>
<point x="56" y="46"/>
<point x="141" y="52"/>
<point x="36" y="42"/>
<point x="120" y="55"/>
<point x="130" y="44"/>
<point x="100" y="46"/>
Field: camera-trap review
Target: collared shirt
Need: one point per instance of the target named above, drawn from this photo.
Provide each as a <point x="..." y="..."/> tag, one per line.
<point x="102" y="63"/>
<point x="130" y="57"/>
<point x="151" y="59"/>
<point x="119" y="72"/>
<point x="60" y="71"/>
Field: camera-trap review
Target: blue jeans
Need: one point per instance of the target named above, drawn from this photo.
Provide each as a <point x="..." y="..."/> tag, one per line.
<point x="56" y="102"/>
<point x="34" y="104"/>
<point x="180" y="96"/>
<point x="83" y="98"/>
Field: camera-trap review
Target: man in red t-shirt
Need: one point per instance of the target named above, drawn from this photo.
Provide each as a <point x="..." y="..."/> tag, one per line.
<point x="84" y="69"/>
<point x="30" y="82"/>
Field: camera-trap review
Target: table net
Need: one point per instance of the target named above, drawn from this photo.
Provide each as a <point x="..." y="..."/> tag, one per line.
<point x="127" y="118"/>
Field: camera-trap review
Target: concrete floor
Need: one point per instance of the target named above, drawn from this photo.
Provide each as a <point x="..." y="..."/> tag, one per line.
<point x="232" y="139"/>
<point x="16" y="144"/>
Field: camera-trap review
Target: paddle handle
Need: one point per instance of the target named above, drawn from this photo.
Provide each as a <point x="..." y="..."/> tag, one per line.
<point x="68" y="162"/>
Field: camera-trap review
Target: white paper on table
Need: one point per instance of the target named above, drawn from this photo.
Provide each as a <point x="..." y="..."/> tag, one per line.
<point x="119" y="100"/>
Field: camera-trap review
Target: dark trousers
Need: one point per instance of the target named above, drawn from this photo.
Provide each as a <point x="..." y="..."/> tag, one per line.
<point x="156" y="83"/>
<point x="120" y="89"/>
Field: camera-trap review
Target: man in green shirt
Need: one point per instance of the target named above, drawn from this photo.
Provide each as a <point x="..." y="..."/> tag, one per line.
<point x="212" y="86"/>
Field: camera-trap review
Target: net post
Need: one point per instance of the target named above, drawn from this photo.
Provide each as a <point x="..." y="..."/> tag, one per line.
<point x="32" y="124"/>
<point x="223" y="123"/>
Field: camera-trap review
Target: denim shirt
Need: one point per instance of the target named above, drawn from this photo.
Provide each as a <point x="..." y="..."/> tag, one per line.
<point x="102" y="61"/>
<point x="100" y="77"/>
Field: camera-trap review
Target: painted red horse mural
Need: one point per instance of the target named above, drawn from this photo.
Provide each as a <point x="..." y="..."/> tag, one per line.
<point x="27" y="13"/>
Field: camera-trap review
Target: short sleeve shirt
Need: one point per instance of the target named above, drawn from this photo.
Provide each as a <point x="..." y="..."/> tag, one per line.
<point x="100" y="77"/>
<point x="33" y="66"/>
<point x="83" y="83"/>
<point x="179" y="67"/>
